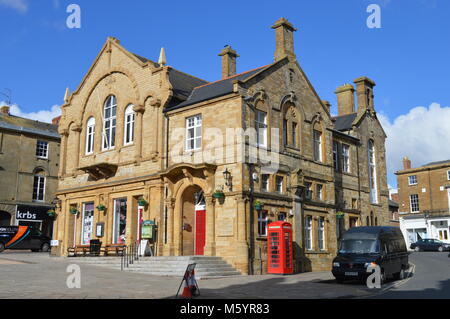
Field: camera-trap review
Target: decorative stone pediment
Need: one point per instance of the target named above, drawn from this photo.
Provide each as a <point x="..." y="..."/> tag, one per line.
<point x="100" y="170"/>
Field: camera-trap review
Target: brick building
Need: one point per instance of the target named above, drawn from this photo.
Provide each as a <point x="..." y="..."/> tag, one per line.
<point x="29" y="159"/>
<point x="139" y="129"/>
<point x="424" y="200"/>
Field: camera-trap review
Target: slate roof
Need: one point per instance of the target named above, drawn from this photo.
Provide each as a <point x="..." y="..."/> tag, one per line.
<point x="215" y="89"/>
<point x="183" y="83"/>
<point x="344" y="122"/>
<point x="23" y="125"/>
<point x="437" y="163"/>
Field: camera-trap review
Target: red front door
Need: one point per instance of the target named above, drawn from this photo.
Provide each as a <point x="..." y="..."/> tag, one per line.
<point x="200" y="231"/>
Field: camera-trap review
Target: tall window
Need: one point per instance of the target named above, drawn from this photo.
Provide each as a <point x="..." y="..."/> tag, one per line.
<point x="90" y="132"/>
<point x="262" y="223"/>
<point x="294" y="134"/>
<point x="88" y="223"/>
<point x="345" y="158"/>
<point x="265" y="182"/>
<point x="39" y="186"/>
<point x="109" y="123"/>
<point x="414" y="203"/>
<point x="372" y="173"/>
<point x="317" y="145"/>
<point x="129" y="125"/>
<point x="261" y="128"/>
<point x="321" y="233"/>
<point x="412" y="180"/>
<point x="193" y="133"/>
<point x="279" y="184"/>
<point x="285" y="132"/>
<point x="335" y="156"/>
<point x="308" y="232"/>
<point x="42" y="149"/>
<point x="448" y="175"/>
<point x="308" y="191"/>
<point x="319" y="191"/>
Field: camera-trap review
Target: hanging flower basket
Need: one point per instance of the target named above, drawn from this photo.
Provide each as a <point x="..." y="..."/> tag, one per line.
<point x="340" y="215"/>
<point x="258" y="205"/>
<point x="142" y="202"/>
<point x="73" y="211"/>
<point x="218" y="194"/>
<point x="51" y="213"/>
<point x="101" y="208"/>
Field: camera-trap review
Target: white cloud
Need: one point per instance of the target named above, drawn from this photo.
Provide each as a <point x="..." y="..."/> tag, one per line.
<point x="41" y="115"/>
<point x="19" y="5"/>
<point x="423" y="135"/>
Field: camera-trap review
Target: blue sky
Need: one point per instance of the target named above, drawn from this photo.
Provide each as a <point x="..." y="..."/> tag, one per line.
<point x="408" y="57"/>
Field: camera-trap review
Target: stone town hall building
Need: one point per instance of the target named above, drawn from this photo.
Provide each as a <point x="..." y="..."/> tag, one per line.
<point x="136" y="128"/>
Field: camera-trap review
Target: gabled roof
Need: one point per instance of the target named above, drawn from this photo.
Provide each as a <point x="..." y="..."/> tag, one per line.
<point x="23" y="125"/>
<point x="216" y="89"/>
<point x="344" y="122"/>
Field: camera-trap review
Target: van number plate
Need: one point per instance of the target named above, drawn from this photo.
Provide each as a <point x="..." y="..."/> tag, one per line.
<point x="351" y="274"/>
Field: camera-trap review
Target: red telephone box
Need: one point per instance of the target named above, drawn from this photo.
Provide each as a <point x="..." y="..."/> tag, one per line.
<point x="280" y="257"/>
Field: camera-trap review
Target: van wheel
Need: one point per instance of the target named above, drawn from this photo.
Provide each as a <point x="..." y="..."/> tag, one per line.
<point x="2" y="247"/>
<point x="45" y="247"/>
<point x="417" y="249"/>
<point x="400" y="275"/>
<point x="441" y="249"/>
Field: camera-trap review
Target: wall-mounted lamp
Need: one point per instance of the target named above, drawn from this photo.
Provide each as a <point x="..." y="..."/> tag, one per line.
<point x="57" y="202"/>
<point x="228" y="178"/>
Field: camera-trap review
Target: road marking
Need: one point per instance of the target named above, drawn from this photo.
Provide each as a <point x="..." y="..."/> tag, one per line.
<point x="394" y="284"/>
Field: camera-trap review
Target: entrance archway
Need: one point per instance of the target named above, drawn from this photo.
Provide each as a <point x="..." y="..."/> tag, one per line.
<point x="193" y="221"/>
<point x="5" y="218"/>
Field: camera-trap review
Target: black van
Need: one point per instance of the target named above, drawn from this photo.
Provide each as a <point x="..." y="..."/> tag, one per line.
<point x="359" y="247"/>
<point x="23" y="238"/>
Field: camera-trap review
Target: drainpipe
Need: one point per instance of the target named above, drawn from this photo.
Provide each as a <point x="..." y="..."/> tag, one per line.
<point x="251" y="254"/>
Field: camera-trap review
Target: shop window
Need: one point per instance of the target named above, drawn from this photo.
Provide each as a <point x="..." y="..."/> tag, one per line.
<point x="87" y="223"/>
<point x="120" y="221"/>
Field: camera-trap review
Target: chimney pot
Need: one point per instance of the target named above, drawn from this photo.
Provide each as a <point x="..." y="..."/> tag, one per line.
<point x="229" y="57"/>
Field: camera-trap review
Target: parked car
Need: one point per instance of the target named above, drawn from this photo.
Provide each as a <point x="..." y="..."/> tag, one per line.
<point x="430" y="245"/>
<point x="361" y="247"/>
<point x="23" y="238"/>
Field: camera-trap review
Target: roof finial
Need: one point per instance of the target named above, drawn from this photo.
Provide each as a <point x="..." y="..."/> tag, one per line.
<point x="66" y="95"/>
<point x="162" y="57"/>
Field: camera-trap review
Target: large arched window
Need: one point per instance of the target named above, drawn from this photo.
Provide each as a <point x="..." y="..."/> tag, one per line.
<point x="372" y="173"/>
<point x="90" y="133"/>
<point x="129" y="125"/>
<point x="109" y="123"/>
<point x="39" y="185"/>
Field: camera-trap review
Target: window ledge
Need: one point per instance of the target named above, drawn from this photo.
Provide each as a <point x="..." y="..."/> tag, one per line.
<point x="261" y="238"/>
<point x="317" y="252"/>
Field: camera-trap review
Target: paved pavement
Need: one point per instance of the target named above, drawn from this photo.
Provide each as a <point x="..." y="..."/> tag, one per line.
<point x="431" y="278"/>
<point x="36" y="275"/>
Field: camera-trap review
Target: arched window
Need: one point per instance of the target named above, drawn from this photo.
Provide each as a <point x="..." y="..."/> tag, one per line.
<point x="129" y="125"/>
<point x="291" y="122"/>
<point x="372" y="173"/>
<point x="39" y="185"/>
<point x="317" y="142"/>
<point x="109" y="123"/>
<point x="90" y="132"/>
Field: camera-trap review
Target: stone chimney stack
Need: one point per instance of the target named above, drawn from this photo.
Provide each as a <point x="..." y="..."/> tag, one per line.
<point x="406" y="163"/>
<point x="284" y="39"/>
<point x="229" y="57"/>
<point x="364" y="91"/>
<point x="346" y="99"/>
<point x="5" y="109"/>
